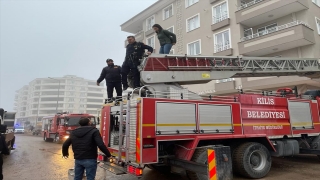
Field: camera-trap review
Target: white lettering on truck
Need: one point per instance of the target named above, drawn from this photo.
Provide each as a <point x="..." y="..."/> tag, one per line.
<point x="266" y="114"/>
<point x="265" y="101"/>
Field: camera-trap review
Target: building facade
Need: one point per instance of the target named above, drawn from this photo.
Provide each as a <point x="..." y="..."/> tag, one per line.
<point x="47" y="96"/>
<point x="268" y="28"/>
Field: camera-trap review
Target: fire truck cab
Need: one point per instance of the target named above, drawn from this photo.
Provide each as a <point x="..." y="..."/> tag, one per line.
<point x="57" y="128"/>
<point x="166" y="127"/>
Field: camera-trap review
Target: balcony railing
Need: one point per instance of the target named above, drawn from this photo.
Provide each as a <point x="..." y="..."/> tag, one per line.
<point x="221" y="47"/>
<point x="251" y="3"/>
<point x="218" y="19"/>
<point x="274" y="29"/>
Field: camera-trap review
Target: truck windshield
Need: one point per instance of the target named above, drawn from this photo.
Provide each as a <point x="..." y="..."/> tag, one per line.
<point x="74" y="121"/>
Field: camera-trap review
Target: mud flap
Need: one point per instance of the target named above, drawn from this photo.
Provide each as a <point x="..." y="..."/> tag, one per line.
<point x="113" y="168"/>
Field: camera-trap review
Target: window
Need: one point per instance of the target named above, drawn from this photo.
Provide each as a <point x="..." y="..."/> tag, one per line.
<point x="220" y="12"/>
<point x="222" y="41"/>
<point x="150" y="41"/>
<point x="267" y="29"/>
<point x="193" y="23"/>
<point x="150" y="22"/>
<point x="194" y="48"/>
<point x="70" y="105"/>
<point x="171" y="29"/>
<point x="171" y="51"/>
<point x="317" y="2"/>
<point x="167" y="12"/>
<point x="191" y="2"/>
<point x="82" y="105"/>
<point x="318" y="24"/>
<point x="71" y="99"/>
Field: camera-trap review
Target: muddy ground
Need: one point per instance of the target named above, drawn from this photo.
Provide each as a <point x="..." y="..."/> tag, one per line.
<point x="35" y="159"/>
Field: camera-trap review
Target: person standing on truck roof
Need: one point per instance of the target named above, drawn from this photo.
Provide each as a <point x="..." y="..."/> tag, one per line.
<point x="84" y="141"/>
<point x="134" y="52"/>
<point x="112" y="75"/>
<point x="166" y="38"/>
<point x="3" y="150"/>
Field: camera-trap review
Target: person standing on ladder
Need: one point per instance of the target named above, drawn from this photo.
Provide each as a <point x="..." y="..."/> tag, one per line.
<point x="134" y="52"/>
<point x="112" y="75"/>
<point x="166" y="38"/>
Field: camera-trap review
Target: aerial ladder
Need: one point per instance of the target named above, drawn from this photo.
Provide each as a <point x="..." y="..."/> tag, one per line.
<point x="167" y="73"/>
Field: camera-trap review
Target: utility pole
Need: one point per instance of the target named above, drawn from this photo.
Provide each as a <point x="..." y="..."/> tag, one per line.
<point x="58" y="92"/>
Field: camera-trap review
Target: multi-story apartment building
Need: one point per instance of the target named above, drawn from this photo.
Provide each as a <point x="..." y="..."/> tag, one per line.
<point x="271" y="28"/>
<point x="46" y="96"/>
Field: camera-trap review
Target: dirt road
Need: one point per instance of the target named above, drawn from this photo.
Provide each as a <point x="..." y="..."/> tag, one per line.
<point x="35" y="159"/>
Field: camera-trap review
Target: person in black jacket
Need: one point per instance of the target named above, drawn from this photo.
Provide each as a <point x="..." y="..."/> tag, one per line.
<point x="112" y="75"/>
<point x="84" y="141"/>
<point x="134" y="52"/>
<point x="3" y="150"/>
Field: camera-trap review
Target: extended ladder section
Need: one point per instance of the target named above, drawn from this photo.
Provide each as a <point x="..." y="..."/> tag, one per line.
<point x="169" y="72"/>
<point x="200" y="69"/>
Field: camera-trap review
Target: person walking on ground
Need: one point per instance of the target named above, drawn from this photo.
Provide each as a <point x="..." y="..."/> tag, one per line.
<point x="3" y="150"/>
<point x="112" y="75"/>
<point x="166" y="38"/>
<point x="134" y="52"/>
<point x="84" y="141"/>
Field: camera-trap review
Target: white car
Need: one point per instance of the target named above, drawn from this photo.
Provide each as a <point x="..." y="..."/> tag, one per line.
<point x="18" y="130"/>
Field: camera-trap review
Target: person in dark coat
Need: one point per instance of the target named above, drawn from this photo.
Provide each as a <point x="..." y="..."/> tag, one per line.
<point x="3" y="150"/>
<point x="134" y="52"/>
<point x="166" y="38"/>
<point x="112" y="75"/>
<point x="84" y="141"/>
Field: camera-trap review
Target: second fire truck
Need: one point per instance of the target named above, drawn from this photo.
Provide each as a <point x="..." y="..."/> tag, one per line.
<point x="164" y="126"/>
<point x="58" y="127"/>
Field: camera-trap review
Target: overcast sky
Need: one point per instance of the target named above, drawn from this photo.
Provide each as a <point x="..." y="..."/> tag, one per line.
<point x="43" y="38"/>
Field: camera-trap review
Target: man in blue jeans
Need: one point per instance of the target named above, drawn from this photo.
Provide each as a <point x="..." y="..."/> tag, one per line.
<point x="84" y="141"/>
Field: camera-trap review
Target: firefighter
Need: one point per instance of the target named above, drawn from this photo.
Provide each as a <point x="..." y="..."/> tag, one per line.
<point x="112" y="75"/>
<point x="3" y="150"/>
<point x="134" y="52"/>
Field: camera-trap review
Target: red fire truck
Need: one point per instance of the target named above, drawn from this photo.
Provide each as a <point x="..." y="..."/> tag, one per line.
<point x="163" y="126"/>
<point x="57" y="128"/>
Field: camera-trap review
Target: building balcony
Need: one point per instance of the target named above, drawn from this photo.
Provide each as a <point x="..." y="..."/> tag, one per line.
<point x="222" y="50"/>
<point x="220" y="22"/>
<point x="280" y="38"/>
<point x="258" y="12"/>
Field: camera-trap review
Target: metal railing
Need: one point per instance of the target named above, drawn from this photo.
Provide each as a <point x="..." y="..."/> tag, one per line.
<point x="221" y="47"/>
<point x="218" y="19"/>
<point x="272" y="30"/>
<point x="251" y="3"/>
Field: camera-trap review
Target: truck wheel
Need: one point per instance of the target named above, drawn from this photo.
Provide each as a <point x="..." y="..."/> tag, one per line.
<point x="199" y="156"/>
<point x="252" y="160"/>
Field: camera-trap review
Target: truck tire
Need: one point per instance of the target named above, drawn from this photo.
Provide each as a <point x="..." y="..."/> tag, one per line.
<point x="252" y="160"/>
<point x="199" y="156"/>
